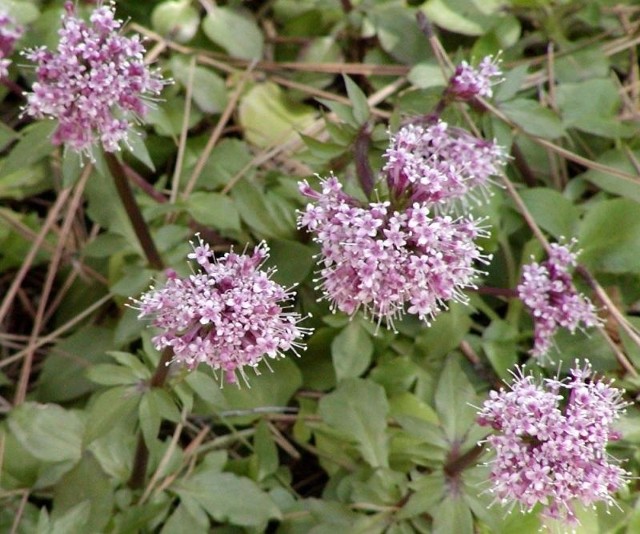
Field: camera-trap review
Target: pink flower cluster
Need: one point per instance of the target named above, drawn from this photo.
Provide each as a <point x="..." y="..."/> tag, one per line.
<point x="551" y="448"/>
<point x="438" y="163"/>
<point x="388" y="262"/>
<point x="10" y="32"/>
<point x="94" y="84"/>
<point x="228" y="315"/>
<point x="547" y="290"/>
<point x="468" y="82"/>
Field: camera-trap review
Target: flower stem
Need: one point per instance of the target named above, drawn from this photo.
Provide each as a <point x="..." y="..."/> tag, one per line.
<point x="363" y="168"/>
<point x="457" y="464"/>
<point x="133" y="211"/>
<point x="141" y="458"/>
<point x="118" y="173"/>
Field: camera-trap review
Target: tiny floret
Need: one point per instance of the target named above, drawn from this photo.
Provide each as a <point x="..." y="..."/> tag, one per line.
<point x="10" y="32"/>
<point x="468" y="82"/>
<point x="546" y="289"/>
<point x="389" y="262"/>
<point x="439" y="164"/>
<point x="95" y="84"/>
<point x="550" y="442"/>
<point x="229" y="314"/>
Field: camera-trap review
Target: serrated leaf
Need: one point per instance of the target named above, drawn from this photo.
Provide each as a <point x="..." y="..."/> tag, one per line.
<point x="358" y="100"/>
<point x="138" y="149"/>
<point x="208" y="89"/>
<point x="214" y="209"/>
<point x="176" y="19"/>
<point x="351" y="351"/>
<point x="34" y="145"/>
<point x="48" y="431"/>
<point x="235" y="31"/>
<point x="552" y="211"/>
<point x="107" y="409"/>
<point x="358" y="408"/>
<point x="610" y="251"/>
<point x="271" y="388"/>
<point x="86" y="482"/>
<point x="63" y="375"/>
<point x="74" y="521"/>
<point x="225" y="497"/>
<point x="454" y="399"/>
<point x="532" y="118"/>
<point x="467" y="17"/>
<point x="452" y="515"/>
<point x="426" y="74"/>
<point x="268" y="117"/>
<point x="623" y="159"/>
<point x="599" y="118"/>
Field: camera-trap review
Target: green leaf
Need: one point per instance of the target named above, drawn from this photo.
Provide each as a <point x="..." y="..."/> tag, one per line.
<point x="428" y="491"/>
<point x="358" y="100"/>
<point x="398" y="33"/>
<point x="610" y="237"/>
<point x="215" y="210"/>
<point x="229" y="499"/>
<point x="553" y="212"/>
<point x="34" y="145"/>
<point x="454" y="399"/>
<point x="358" y="408"/>
<point x="182" y="521"/>
<point x="47" y="431"/>
<point x="533" y="118"/>
<point x="271" y="388"/>
<point x="149" y="417"/>
<point x="24" y="182"/>
<point x="208" y="89"/>
<point x="265" y="452"/>
<point x="176" y="19"/>
<point x="468" y="17"/>
<point x="107" y="409"/>
<point x="268" y="117"/>
<point x="426" y="74"/>
<point x="452" y="515"/>
<point x="599" y="118"/>
<point x="63" y="375"/>
<point x="623" y="159"/>
<point x="235" y="31"/>
<point x="251" y="203"/>
<point x="74" y="521"/>
<point x="138" y="149"/>
<point x="351" y="351"/>
<point x="86" y="482"/>
<point x="289" y="273"/>
<point x="499" y="342"/>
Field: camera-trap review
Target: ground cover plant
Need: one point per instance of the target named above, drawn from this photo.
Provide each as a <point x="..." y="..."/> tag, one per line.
<point x="319" y="266"/>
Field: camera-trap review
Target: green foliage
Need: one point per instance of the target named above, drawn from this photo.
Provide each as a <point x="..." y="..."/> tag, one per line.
<point x="370" y="429"/>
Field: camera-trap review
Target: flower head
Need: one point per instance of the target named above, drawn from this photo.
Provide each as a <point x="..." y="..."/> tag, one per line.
<point x="388" y="262"/>
<point x="550" y="445"/>
<point x="229" y="314"/>
<point x="94" y="84"/>
<point x="438" y="163"/>
<point x="468" y="82"/>
<point x="10" y="32"/>
<point x="547" y="291"/>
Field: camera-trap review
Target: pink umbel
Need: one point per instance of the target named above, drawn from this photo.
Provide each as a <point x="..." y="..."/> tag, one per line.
<point x="95" y="83"/>
<point x="437" y="163"/>
<point x="550" y="442"/>
<point x="547" y="290"/>
<point x="229" y="314"/>
<point x="468" y="82"/>
<point x="10" y="32"/>
<point x="388" y="262"/>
